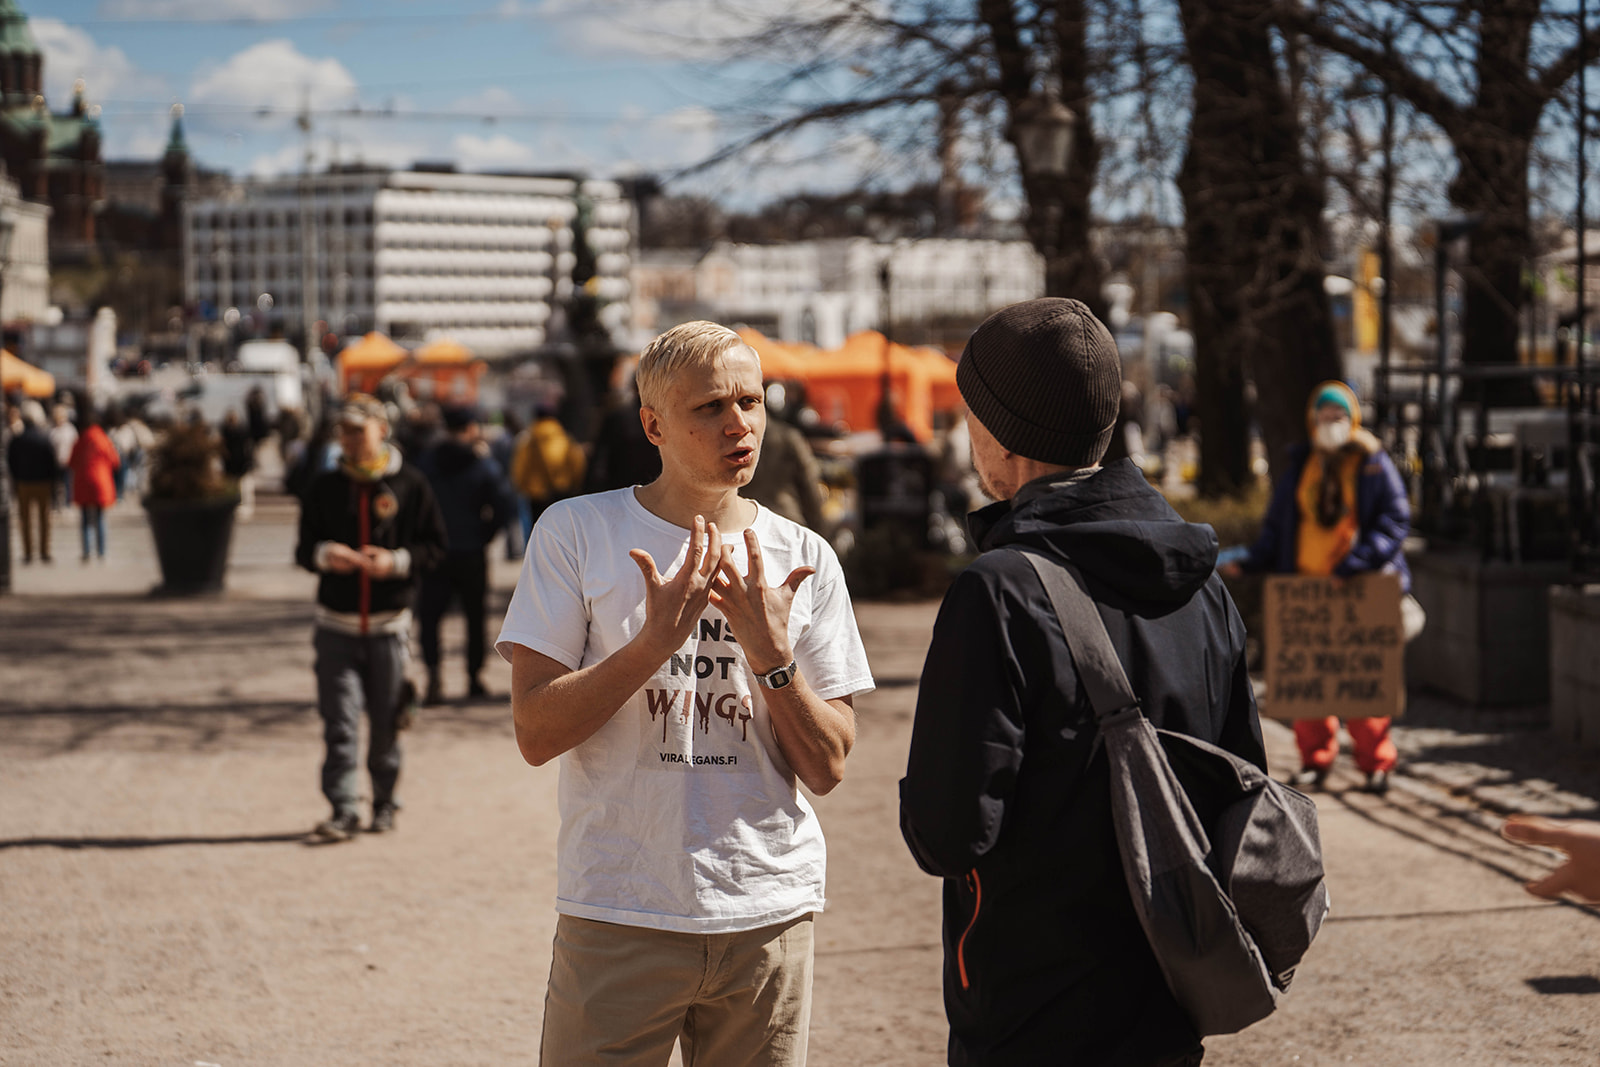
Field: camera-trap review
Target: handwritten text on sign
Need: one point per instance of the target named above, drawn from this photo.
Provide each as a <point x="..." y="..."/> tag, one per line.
<point x="1334" y="647"/>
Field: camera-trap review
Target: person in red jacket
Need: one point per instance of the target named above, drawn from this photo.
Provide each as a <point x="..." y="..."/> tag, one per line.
<point x="93" y="464"/>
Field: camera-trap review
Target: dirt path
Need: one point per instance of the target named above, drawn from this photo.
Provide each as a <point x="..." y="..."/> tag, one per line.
<point x="158" y="766"/>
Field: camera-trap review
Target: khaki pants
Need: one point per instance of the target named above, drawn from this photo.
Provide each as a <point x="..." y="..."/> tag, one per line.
<point x="33" y="499"/>
<point x="624" y="994"/>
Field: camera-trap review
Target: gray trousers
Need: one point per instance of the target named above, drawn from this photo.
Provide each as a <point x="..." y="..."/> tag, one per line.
<point x="355" y="673"/>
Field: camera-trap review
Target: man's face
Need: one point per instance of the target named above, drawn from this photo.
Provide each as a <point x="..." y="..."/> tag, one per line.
<point x="710" y="425"/>
<point x="361" y="441"/>
<point x="988" y="458"/>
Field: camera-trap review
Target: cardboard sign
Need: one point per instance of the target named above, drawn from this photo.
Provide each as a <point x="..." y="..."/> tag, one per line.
<point x="1333" y="647"/>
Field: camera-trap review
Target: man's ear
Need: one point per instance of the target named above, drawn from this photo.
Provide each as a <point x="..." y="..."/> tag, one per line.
<point x="651" y="421"/>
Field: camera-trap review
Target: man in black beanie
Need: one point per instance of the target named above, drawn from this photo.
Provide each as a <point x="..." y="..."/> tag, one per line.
<point x="1045" y="960"/>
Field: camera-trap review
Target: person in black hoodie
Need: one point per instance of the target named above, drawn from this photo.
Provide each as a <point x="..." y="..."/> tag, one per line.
<point x="31" y="458"/>
<point x="472" y="497"/>
<point x="1004" y="796"/>
<point x="368" y="527"/>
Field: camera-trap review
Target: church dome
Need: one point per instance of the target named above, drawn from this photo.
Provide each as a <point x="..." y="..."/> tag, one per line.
<point x="15" y="36"/>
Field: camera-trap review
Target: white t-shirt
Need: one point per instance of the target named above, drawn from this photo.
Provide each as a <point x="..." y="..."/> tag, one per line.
<point x="680" y="813"/>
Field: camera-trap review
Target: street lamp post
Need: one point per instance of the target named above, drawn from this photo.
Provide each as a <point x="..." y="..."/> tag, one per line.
<point x="7" y="227"/>
<point x="1042" y="129"/>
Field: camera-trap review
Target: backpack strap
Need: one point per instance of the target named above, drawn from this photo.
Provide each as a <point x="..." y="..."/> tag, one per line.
<point x="1101" y="673"/>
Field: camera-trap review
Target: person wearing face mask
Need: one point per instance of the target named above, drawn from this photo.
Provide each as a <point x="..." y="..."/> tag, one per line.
<point x="1339" y="509"/>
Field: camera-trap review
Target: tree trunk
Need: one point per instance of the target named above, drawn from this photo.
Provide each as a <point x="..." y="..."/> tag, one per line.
<point x="1058" y="208"/>
<point x="1493" y="143"/>
<point x="1252" y="223"/>
<point x="1075" y="270"/>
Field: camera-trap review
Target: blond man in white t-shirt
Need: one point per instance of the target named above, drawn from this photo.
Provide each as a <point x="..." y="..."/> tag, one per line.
<point x="691" y="656"/>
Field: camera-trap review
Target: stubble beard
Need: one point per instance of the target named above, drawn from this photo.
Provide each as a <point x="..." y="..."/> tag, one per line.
<point x="988" y="487"/>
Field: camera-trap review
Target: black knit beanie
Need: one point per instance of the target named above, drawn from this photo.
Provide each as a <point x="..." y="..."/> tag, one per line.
<point x="1043" y="376"/>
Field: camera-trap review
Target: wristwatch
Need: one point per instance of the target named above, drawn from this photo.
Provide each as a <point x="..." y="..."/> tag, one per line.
<point x="779" y="678"/>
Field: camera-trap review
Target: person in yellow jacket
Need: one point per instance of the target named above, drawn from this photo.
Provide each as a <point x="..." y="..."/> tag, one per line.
<point x="1339" y="509"/>
<point x="546" y="465"/>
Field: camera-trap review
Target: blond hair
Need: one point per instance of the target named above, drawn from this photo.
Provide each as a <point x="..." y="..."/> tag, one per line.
<point x="692" y="344"/>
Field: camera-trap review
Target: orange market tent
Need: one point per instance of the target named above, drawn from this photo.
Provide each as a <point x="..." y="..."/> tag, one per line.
<point x="17" y="374"/>
<point x="846" y="383"/>
<point x="451" y="367"/>
<point x="365" y="363"/>
<point x="779" y="359"/>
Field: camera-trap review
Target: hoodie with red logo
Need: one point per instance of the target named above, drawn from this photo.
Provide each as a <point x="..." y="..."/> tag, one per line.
<point x="393" y="509"/>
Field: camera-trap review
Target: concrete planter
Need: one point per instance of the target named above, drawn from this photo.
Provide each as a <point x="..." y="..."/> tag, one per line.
<point x="1575" y="664"/>
<point x="192" y="540"/>
<point x="1487" y="641"/>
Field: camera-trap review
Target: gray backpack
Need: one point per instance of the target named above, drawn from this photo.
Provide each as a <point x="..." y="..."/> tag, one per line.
<point x="1224" y="864"/>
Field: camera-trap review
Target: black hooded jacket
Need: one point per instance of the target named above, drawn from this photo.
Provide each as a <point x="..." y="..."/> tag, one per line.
<point x="1045" y="962"/>
<point x="471" y="494"/>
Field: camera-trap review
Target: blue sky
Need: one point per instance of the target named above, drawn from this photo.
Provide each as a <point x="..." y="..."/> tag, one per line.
<point x="608" y="87"/>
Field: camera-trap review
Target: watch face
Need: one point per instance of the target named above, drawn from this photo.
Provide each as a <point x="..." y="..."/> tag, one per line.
<point x="780" y="678"/>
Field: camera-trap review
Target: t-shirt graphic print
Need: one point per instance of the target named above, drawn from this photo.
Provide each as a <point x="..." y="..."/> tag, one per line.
<point x="703" y="701"/>
<point x="681" y="813"/>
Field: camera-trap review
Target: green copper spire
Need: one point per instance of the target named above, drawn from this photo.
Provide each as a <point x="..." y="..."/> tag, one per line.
<point x="176" y="145"/>
<point x="15" y="36"/>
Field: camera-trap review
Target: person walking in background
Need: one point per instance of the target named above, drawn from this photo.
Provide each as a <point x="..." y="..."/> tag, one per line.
<point x="623" y="454"/>
<point x="134" y="442"/>
<point x="63" y="435"/>
<point x="1339" y="509"/>
<point x="500" y="450"/>
<point x="93" y="464"/>
<point x="257" y="420"/>
<point x="239" y="461"/>
<point x="788" y="479"/>
<point x="367" y="528"/>
<point x="1045" y="959"/>
<point x="546" y="465"/>
<point x="31" y="458"/>
<point x="690" y="863"/>
<point x="470" y="490"/>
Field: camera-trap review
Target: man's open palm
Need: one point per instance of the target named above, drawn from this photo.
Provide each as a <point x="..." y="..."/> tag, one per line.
<point x="673" y="606"/>
<point x="758" y="612"/>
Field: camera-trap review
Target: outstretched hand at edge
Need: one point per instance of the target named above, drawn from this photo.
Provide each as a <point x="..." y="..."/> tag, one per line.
<point x="1578" y="838"/>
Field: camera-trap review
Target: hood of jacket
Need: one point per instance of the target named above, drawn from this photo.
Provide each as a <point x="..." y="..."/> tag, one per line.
<point x="451" y="457"/>
<point x="1112" y="525"/>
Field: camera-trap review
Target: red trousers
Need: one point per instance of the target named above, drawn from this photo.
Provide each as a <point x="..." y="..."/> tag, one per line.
<point x="1319" y="743"/>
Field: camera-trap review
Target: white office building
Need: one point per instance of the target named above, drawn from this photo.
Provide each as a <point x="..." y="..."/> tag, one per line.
<point x="25" y="270"/>
<point x="418" y="255"/>
<point x="822" y="291"/>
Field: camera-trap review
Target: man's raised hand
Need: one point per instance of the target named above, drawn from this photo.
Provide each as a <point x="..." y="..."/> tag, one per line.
<point x="672" y="606"/>
<point x="759" y="613"/>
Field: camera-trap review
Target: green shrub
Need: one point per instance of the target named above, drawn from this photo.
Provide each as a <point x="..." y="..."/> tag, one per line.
<point x="186" y="464"/>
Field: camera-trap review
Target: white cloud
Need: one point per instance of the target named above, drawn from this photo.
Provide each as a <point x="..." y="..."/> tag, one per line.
<point x="676" y="139"/>
<point x="209" y="10"/>
<point x="110" y="78"/>
<point x="491" y="153"/>
<point x="70" y="54"/>
<point x="285" y="160"/>
<point x="676" y="28"/>
<point x="491" y="101"/>
<point x="273" y="73"/>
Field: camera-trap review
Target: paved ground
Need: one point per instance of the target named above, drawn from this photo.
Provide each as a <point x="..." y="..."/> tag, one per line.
<point x="158" y="767"/>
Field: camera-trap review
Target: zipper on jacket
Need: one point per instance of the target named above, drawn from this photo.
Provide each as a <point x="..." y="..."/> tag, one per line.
<point x="976" y="885"/>
<point x="364" y="526"/>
